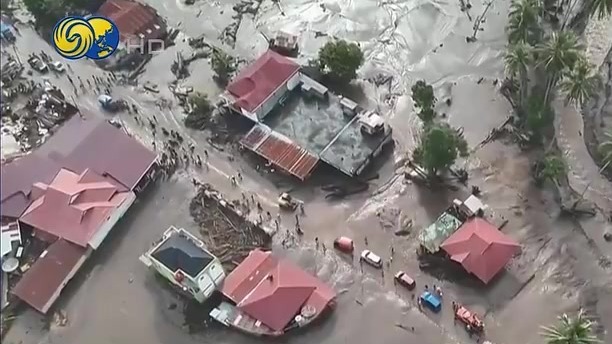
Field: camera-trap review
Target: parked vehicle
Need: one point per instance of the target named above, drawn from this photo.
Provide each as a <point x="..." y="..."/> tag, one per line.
<point x="344" y="245"/>
<point x="371" y="258"/>
<point x="403" y="279"/>
<point x="472" y="323"/>
<point x="57" y="66"/>
<point x="431" y="301"/>
<point x="38" y="65"/>
<point x="285" y="201"/>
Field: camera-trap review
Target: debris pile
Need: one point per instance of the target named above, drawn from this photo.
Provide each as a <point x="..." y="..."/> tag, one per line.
<point x="224" y="229"/>
<point x="45" y="109"/>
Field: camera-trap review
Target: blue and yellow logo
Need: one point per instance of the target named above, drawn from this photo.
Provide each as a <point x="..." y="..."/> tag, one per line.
<point x="94" y="37"/>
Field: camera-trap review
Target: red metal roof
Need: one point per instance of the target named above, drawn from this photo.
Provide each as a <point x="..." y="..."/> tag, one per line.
<point x="274" y="291"/>
<point x="41" y="285"/>
<point x="17" y="179"/>
<point x="133" y="18"/>
<point x="95" y="144"/>
<point x="258" y="81"/>
<point x="280" y="151"/>
<point x="73" y="207"/>
<point x="480" y="248"/>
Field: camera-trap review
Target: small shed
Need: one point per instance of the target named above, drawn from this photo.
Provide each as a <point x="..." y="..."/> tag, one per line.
<point x="312" y="87"/>
<point x="349" y="107"/>
<point x="433" y="236"/>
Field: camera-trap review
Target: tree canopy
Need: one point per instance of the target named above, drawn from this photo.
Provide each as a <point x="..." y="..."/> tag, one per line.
<point x="201" y="109"/>
<point x="553" y="167"/>
<point x="570" y="330"/>
<point x="440" y="145"/>
<point x="223" y="66"/>
<point x="340" y="60"/>
<point x="424" y="98"/>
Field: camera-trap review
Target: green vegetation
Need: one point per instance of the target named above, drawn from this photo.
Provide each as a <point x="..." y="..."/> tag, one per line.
<point x="424" y="99"/>
<point x="605" y="149"/>
<point x="577" y="330"/>
<point x="340" y="60"/>
<point x="223" y="66"/>
<point x="440" y="145"/>
<point x="601" y="8"/>
<point x="551" y="169"/>
<point x="48" y="12"/>
<point x="201" y="109"/>
<point x="539" y="64"/>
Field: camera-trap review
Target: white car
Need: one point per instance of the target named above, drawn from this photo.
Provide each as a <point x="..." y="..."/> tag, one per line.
<point x="371" y="258"/>
<point x="58" y="66"/>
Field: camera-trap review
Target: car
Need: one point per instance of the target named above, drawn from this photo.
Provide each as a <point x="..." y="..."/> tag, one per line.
<point x="403" y="279"/>
<point x="371" y="258"/>
<point x="431" y="301"/>
<point x="38" y="64"/>
<point x="344" y="245"/>
<point x="285" y="201"/>
<point x="57" y="66"/>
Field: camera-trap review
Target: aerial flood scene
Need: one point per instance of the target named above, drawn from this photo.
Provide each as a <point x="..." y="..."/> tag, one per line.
<point x="306" y="171"/>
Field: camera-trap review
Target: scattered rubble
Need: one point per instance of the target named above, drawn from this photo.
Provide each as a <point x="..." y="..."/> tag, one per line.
<point x="223" y="227"/>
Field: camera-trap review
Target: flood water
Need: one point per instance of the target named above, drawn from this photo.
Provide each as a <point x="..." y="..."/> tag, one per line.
<point x="117" y="301"/>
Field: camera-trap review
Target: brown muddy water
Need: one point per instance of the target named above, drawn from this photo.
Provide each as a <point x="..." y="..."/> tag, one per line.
<point x="116" y="300"/>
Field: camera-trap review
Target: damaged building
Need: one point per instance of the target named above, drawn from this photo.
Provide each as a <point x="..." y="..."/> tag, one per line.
<point x="298" y="122"/>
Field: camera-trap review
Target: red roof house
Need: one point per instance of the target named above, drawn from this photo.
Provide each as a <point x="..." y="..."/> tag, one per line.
<point x="480" y="248"/>
<point x="274" y="291"/>
<point x="261" y="80"/>
<point x="75" y="207"/>
<point x="42" y="284"/>
<point x="133" y="19"/>
<point x="78" y="145"/>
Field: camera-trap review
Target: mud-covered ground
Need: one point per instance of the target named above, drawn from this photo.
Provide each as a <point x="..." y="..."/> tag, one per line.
<point x="116" y="300"/>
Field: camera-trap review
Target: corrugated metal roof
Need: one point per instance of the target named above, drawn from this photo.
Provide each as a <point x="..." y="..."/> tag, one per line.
<point x="432" y="236"/>
<point x="280" y="151"/>
<point x="259" y="80"/>
<point x="73" y="206"/>
<point x="41" y="285"/>
<point x="480" y="248"/>
<point x="273" y="291"/>
<point x="78" y="145"/>
<point x="97" y="145"/>
<point x="133" y="18"/>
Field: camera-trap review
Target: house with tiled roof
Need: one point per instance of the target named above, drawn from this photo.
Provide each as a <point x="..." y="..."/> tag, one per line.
<point x="70" y="193"/>
<point x="136" y="21"/>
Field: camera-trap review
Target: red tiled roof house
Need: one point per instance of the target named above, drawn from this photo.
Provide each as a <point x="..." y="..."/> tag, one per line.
<point x="261" y="86"/>
<point x="70" y="193"/>
<point x="480" y="248"/>
<point x="137" y="22"/>
<point x="270" y="294"/>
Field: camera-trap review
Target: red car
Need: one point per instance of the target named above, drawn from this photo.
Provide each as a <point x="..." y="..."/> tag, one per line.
<point x="344" y="244"/>
<point x="405" y="280"/>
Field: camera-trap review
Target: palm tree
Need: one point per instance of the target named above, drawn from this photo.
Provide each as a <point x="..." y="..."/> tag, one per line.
<point x="580" y="82"/>
<point x="602" y="8"/>
<point x="570" y="331"/>
<point x="605" y="149"/>
<point x="517" y="59"/>
<point x="553" y="168"/>
<point x="558" y="54"/>
<point x="524" y="17"/>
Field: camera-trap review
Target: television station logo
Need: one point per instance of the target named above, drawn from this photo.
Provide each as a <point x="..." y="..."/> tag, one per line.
<point x="94" y="37"/>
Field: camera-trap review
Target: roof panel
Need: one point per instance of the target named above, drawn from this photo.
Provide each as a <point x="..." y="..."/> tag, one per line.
<point x="41" y="285"/>
<point x="259" y="80"/>
<point x="280" y="151"/>
<point x="432" y="236"/>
